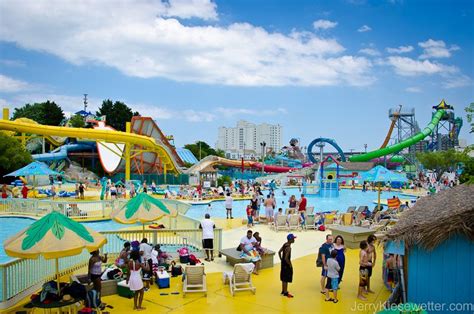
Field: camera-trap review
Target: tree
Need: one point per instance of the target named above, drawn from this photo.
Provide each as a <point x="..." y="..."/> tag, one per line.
<point x="77" y="121"/>
<point x="117" y="113"/>
<point x="13" y="154"/>
<point x="442" y="161"/>
<point x="202" y="149"/>
<point x="467" y="175"/>
<point x="470" y="116"/>
<point x="224" y="180"/>
<point x="47" y="113"/>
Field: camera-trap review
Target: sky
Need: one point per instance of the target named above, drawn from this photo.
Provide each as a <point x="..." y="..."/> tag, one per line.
<point x="328" y="68"/>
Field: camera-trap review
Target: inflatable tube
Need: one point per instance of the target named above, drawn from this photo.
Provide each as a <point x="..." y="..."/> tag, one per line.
<point x="324" y="140"/>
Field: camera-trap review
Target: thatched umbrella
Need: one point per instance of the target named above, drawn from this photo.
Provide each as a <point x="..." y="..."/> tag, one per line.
<point x="436" y="218"/>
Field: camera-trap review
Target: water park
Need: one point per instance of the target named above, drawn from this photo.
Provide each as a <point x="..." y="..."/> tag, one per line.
<point x="56" y="211"/>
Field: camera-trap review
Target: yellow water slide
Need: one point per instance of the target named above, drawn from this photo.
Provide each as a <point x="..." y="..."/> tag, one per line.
<point x="168" y="161"/>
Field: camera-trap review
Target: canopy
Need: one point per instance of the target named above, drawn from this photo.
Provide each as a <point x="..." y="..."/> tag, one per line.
<point x="36" y="168"/>
<point x="382" y="174"/>
<point x="144" y="208"/>
<point x="53" y="236"/>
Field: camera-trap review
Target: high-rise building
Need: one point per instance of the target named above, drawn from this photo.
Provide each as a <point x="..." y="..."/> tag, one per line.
<point x="244" y="139"/>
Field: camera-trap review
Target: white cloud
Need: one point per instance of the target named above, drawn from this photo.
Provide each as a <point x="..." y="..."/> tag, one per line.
<point x="409" y="67"/>
<point x="204" y="9"/>
<point x="436" y="49"/>
<point x="456" y="81"/>
<point x="10" y="85"/>
<point x="12" y="63"/>
<point x="324" y="24"/>
<point x="198" y="116"/>
<point x="147" y="44"/>
<point x="231" y="112"/>
<point x="413" y="89"/>
<point x="400" y="49"/>
<point x="364" y="28"/>
<point x="370" y="52"/>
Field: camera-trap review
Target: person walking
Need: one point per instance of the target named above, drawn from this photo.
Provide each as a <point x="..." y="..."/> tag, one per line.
<point x="268" y="204"/>
<point x="228" y="206"/>
<point x="208" y="226"/>
<point x="286" y="272"/>
<point x="134" y="280"/>
<point x="81" y="191"/>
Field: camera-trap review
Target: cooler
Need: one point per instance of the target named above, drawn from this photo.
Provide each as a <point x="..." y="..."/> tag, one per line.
<point x="163" y="280"/>
<point x="123" y="290"/>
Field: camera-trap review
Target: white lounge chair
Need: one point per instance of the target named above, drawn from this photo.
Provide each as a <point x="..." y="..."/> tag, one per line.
<point x="194" y="279"/>
<point x="281" y="223"/>
<point x="309" y="210"/>
<point x="240" y="279"/>
<point x="310" y="222"/>
<point x="294" y="222"/>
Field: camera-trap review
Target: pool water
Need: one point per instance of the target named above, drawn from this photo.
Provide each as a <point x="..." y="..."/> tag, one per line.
<point x="346" y="199"/>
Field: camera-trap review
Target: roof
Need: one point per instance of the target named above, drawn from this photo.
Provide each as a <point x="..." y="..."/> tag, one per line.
<point x="436" y="218"/>
<point x="208" y="168"/>
<point x="357" y="166"/>
<point x="186" y="155"/>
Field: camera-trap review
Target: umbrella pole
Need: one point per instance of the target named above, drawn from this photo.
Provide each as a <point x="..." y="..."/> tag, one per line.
<point x="143" y="230"/>
<point x="378" y="202"/>
<point x="56" y="261"/>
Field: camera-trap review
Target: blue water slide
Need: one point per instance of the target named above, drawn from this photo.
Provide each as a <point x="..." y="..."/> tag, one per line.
<point x="324" y="140"/>
<point x="60" y="153"/>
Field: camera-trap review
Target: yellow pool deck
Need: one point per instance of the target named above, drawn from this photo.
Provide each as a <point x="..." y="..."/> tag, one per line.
<point x="305" y="287"/>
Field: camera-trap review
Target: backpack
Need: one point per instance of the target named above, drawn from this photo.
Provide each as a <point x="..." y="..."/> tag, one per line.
<point x="322" y="228"/>
<point x="93" y="299"/>
<point x="176" y="270"/>
<point x="193" y="260"/>
<point x="319" y="259"/>
<point x="76" y="290"/>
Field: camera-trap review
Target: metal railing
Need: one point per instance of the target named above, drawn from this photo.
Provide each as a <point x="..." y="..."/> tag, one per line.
<point x="72" y="208"/>
<point x="22" y="276"/>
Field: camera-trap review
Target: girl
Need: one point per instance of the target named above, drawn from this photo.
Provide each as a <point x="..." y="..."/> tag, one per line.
<point x="258" y="244"/>
<point x="249" y="216"/>
<point x="95" y="269"/>
<point x="134" y="280"/>
<point x="341" y="258"/>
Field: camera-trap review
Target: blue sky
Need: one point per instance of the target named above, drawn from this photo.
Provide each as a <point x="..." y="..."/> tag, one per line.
<point x="319" y="68"/>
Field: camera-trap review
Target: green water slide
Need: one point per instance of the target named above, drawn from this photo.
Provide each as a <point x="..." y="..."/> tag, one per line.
<point x="402" y="145"/>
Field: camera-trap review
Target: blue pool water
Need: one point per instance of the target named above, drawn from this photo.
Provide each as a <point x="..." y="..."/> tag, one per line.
<point x="10" y="226"/>
<point x="346" y="198"/>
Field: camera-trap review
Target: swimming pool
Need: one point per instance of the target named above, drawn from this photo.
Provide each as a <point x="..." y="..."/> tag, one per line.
<point x="346" y="198"/>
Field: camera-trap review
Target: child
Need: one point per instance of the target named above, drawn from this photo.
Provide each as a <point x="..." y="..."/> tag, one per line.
<point x="249" y="216"/>
<point x="371" y="257"/>
<point x="332" y="277"/>
<point x="363" y="269"/>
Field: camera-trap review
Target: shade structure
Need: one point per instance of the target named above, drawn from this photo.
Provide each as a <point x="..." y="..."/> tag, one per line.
<point x="381" y="174"/>
<point x="143" y="208"/>
<point x="35" y="168"/>
<point x="53" y="236"/>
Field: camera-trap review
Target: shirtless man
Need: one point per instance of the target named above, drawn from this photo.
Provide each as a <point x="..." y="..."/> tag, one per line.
<point x="363" y="270"/>
<point x="268" y="204"/>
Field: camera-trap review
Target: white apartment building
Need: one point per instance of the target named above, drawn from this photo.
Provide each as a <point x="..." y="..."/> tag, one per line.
<point x="247" y="137"/>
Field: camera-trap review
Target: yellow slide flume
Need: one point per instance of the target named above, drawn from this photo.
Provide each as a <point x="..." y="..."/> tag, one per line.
<point x="94" y="134"/>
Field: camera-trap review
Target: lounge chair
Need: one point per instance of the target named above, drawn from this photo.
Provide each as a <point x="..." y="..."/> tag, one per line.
<point x="351" y="209"/>
<point x="309" y="210"/>
<point x="240" y="279"/>
<point x="294" y="222"/>
<point x="310" y="222"/>
<point x="194" y="279"/>
<point x="281" y="223"/>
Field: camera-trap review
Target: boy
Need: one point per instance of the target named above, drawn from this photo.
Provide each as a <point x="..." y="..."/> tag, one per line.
<point x="371" y="257"/>
<point x="286" y="273"/>
<point x="333" y="277"/>
<point x="249" y="216"/>
<point x="363" y="269"/>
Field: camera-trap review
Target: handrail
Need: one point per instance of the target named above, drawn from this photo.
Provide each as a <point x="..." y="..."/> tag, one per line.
<point x="19" y="276"/>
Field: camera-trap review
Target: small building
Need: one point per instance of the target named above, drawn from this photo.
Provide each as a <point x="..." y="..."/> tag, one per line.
<point x="438" y="233"/>
<point x="208" y="174"/>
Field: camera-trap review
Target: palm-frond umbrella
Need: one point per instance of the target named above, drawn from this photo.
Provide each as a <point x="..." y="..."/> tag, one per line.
<point x="380" y="174"/>
<point x="53" y="236"/>
<point x="144" y="208"/>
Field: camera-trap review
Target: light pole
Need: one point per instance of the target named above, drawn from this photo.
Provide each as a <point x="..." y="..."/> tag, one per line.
<point x="365" y="147"/>
<point x="263" y="144"/>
